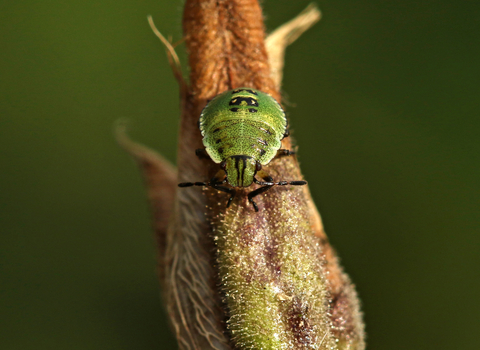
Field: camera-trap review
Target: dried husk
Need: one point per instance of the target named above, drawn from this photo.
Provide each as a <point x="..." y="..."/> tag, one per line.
<point x="233" y="278"/>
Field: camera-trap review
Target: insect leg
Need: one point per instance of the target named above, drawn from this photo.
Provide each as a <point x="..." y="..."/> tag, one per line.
<point x="188" y="184"/>
<point x="215" y="183"/>
<point x="256" y="193"/>
<point x="294" y="183"/>
<point x="284" y="152"/>
<point x="268" y="179"/>
<point x="216" y="180"/>
<point x="201" y="153"/>
<point x="226" y="189"/>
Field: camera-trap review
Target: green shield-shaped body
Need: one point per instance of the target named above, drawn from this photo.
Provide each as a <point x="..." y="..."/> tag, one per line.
<point x="243" y="122"/>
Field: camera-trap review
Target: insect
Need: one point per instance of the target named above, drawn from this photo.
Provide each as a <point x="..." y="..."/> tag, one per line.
<point x="242" y="130"/>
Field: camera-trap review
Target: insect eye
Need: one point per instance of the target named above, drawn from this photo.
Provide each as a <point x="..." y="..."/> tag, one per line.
<point x="223" y="165"/>
<point x="258" y="166"/>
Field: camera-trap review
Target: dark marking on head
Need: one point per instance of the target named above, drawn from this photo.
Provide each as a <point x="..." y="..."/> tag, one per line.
<point x="218" y="141"/>
<point x="237" y="101"/>
<point x="252" y="110"/>
<point x="220" y="150"/>
<point x="262" y="152"/>
<point x="218" y="129"/>
<point x="234" y="109"/>
<point x="236" y="91"/>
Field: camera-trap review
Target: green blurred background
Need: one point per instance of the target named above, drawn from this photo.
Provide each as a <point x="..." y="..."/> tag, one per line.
<point x="384" y="100"/>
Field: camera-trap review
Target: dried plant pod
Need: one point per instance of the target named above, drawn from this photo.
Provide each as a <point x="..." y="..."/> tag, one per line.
<point x="235" y="278"/>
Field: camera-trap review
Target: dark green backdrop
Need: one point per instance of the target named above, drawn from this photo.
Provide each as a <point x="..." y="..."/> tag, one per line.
<point x="384" y="102"/>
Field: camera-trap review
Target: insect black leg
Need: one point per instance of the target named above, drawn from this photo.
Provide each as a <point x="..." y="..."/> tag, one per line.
<point x="268" y="180"/>
<point x="256" y="193"/>
<point x="267" y="184"/>
<point x="287" y="134"/>
<point x="229" y="190"/>
<point x="284" y="152"/>
<point x="216" y="182"/>
<point x="188" y="184"/>
<point x="201" y="153"/>
<point x="294" y="183"/>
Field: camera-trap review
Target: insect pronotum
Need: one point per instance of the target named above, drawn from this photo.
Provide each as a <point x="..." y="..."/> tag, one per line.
<point x="242" y="130"/>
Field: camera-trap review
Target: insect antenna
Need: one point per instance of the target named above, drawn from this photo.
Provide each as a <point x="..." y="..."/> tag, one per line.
<point x="214" y="183"/>
<point x="281" y="183"/>
<point x="268" y="185"/>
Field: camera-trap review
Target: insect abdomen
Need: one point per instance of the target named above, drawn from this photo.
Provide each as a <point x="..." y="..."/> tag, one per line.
<point x="243" y="122"/>
<point x="235" y="137"/>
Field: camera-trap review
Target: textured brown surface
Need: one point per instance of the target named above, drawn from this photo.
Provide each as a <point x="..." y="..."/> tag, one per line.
<point x="225" y="42"/>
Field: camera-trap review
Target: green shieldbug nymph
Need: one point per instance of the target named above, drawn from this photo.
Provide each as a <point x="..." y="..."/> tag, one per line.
<point x="242" y="130"/>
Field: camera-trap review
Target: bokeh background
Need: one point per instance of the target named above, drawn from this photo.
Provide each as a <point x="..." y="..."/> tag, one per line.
<point x="384" y="100"/>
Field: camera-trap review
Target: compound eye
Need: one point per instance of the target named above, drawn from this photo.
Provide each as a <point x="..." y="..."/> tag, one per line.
<point x="223" y="165"/>
<point x="258" y="166"/>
